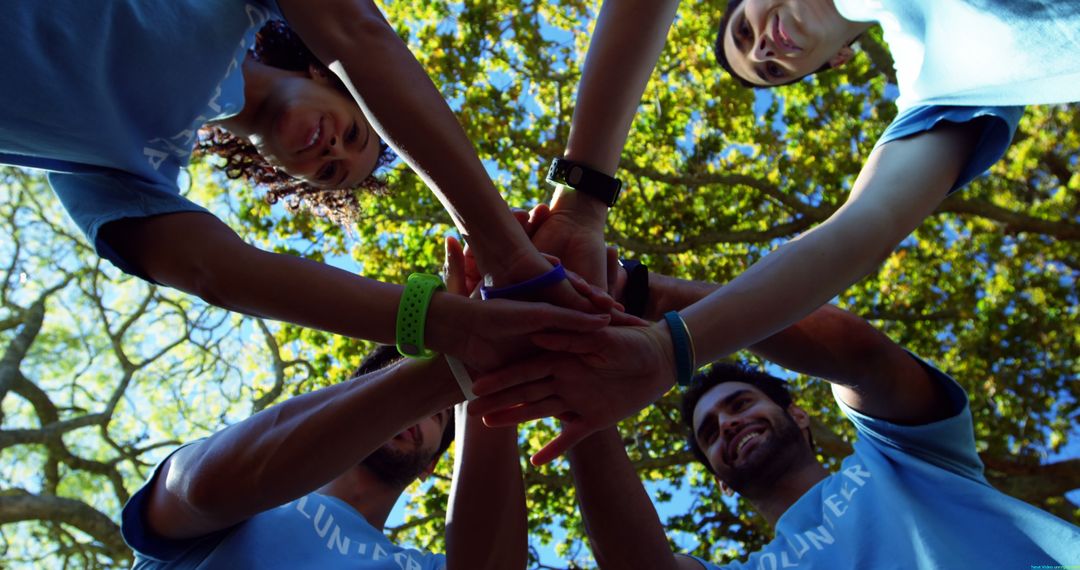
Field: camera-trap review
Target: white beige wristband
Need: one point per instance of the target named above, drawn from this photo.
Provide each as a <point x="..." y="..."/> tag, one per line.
<point x="457" y="368"/>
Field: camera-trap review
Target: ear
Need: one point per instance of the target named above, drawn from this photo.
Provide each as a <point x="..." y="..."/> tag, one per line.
<point x="727" y="491"/>
<point x="429" y="470"/>
<point x="318" y="73"/>
<point x="843" y="56"/>
<point x="802" y="419"/>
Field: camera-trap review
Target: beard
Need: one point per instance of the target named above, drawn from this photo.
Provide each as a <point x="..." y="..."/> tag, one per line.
<point x="396" y="468"/>
<point x="783" y="448"/>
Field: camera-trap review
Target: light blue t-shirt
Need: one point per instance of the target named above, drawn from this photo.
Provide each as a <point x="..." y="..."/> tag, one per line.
<point x="957" y="60"/>
<point x="912" y="498"/>
<point x="108" y="96"/>
<point x="314" y="531"/>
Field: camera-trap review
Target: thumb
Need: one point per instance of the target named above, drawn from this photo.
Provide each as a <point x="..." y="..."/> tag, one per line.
<point x="571" y="435"/>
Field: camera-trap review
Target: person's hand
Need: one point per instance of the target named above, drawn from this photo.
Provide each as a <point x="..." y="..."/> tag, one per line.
<point x="589" y="381"/>
<point x="573" y="237"/>
<point x="531" y="221"/>
<point x="487" y="334"/>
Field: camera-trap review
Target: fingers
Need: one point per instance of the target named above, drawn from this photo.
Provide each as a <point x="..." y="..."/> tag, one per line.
<point x="454" y="267"/>
<point x="496" y="389"/>
<point x="545" y="408"/>
<point x="541" y="316"/>
<point x="537" y="217"/>
<point x="616" y="274"/>
<point x="597" y="296"/>
<point x="622" y="319"/>
<point x="574" y="343"/>
<point x="572" y="434"/>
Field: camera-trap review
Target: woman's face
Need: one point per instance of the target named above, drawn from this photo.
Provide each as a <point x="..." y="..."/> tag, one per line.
<point x="313" y="130"/>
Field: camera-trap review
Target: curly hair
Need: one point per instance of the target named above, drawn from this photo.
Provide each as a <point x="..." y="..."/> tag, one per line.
<point x="278" y="46"/>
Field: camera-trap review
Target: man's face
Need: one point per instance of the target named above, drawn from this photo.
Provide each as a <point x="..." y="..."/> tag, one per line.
<point x="746" y="436"/>
<point x="771" y="42"/>
<point x="314" y="131"/>
<point x="410" y="453"/>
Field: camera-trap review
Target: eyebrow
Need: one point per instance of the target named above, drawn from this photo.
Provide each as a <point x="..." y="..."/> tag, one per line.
<point x="724" y="404"/>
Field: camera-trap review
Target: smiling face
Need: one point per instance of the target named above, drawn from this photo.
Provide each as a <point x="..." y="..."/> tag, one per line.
<point x="773" y="42"/>
<point x="410" y="453"/>
<point x="746" y="437"/>
<point x="312" y="129"/>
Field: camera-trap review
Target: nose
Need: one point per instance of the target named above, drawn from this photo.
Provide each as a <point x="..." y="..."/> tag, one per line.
<point x="729" y="424"/>
<point x="334" y="149"/>
<point x="763" y="49"/>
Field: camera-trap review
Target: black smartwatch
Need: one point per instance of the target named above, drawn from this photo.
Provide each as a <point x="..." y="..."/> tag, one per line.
<point x="584" y="179"/>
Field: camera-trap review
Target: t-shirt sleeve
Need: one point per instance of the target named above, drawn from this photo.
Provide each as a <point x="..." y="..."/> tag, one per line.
<point x="948" y="443"/>
<point x="152" y="549"/>
<point x="994" y="140"/>
<point x="93" y="199"/>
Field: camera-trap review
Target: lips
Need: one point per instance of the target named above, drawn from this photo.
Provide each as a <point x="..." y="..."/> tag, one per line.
<point x="781" y="37"/>
<point x="314" y="136"/>
<point x="747" y="436"/>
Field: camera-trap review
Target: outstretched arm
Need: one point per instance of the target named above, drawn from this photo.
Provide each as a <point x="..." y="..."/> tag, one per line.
<point x="354" y="39"/>
<point x="628" y="368"/>
<point x="623" y="51"/>
<point x="250" y="467"/>
<point x="486" y="520"/>
<point x="900" y="185"/>
<point x="873" y="374"/>
<point x="197" y="253"/>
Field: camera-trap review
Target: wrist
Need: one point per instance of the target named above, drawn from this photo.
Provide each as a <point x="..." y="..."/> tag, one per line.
<point x="586" y="211"/>
<point x="443" y="330"/>
<point x="661" y="334"/>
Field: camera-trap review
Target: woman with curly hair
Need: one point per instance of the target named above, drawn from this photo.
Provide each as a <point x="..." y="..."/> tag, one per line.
<point x="109" y="98"/>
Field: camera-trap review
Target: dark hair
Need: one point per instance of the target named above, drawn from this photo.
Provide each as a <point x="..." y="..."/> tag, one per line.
<point x="278" y="46"/>
<point x="384" y="356"/>
<point x="720" y="373"/>
<point x="721" y="56"/>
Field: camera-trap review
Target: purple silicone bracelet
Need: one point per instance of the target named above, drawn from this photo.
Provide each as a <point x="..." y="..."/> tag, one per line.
<point x="548" y="279"/>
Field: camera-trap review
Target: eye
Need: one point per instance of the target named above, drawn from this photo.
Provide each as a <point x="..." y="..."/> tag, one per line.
<point x="326" y="173"/>
<point x="708" y="432"/>
<point x="353" y="133"/>
<point x="744" y="28"/>
<point x="773" y="70"/>
<point x="740" y="404"/>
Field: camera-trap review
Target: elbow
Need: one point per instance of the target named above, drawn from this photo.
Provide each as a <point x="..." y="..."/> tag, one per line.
<point x="353" y="27"/>
<point x="192" y="481"/>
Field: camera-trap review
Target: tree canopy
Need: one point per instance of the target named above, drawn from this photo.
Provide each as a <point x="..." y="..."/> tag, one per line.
<point x="102" y="374"/>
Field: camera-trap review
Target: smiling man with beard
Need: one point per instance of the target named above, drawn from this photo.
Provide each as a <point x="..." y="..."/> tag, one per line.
<point x="913" y="494"/>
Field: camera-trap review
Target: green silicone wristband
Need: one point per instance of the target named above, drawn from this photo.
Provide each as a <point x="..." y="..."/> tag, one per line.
<point x="412" y="314"/>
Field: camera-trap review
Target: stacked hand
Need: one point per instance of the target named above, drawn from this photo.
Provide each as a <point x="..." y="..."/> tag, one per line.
<point x="588" y="379"/>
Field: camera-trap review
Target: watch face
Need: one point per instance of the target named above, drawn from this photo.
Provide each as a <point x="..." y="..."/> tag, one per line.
<point x="575" y="175"/>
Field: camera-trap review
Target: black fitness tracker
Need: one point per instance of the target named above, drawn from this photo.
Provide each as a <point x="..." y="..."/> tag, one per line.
<point x="584" y="179"/>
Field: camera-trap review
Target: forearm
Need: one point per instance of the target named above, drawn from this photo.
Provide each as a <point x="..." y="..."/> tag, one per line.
<point x="889" y="200"/>
<point x="487" y="522"/>
<point x="295" y="447"/>
<point x="626" y="43"/>
<point x="624" y="529"/>
<point x="410" y="114"/>
<point x="623" y="51"/>
<point x="673" y="294"/>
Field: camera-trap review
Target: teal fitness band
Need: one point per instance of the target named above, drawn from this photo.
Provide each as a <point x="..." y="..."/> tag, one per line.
<point x="412" y="314"/>
<point x="682" y="346"/>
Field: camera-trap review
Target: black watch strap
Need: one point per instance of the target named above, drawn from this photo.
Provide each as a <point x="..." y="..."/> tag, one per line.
<point x="636" y="291"/>
<point x="584" y="179"/>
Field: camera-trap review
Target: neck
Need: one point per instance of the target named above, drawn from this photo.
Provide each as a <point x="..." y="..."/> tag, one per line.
<point x="259" y="80"/>
<point x="366" y="493"/>
<point x="778" y="496"/>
